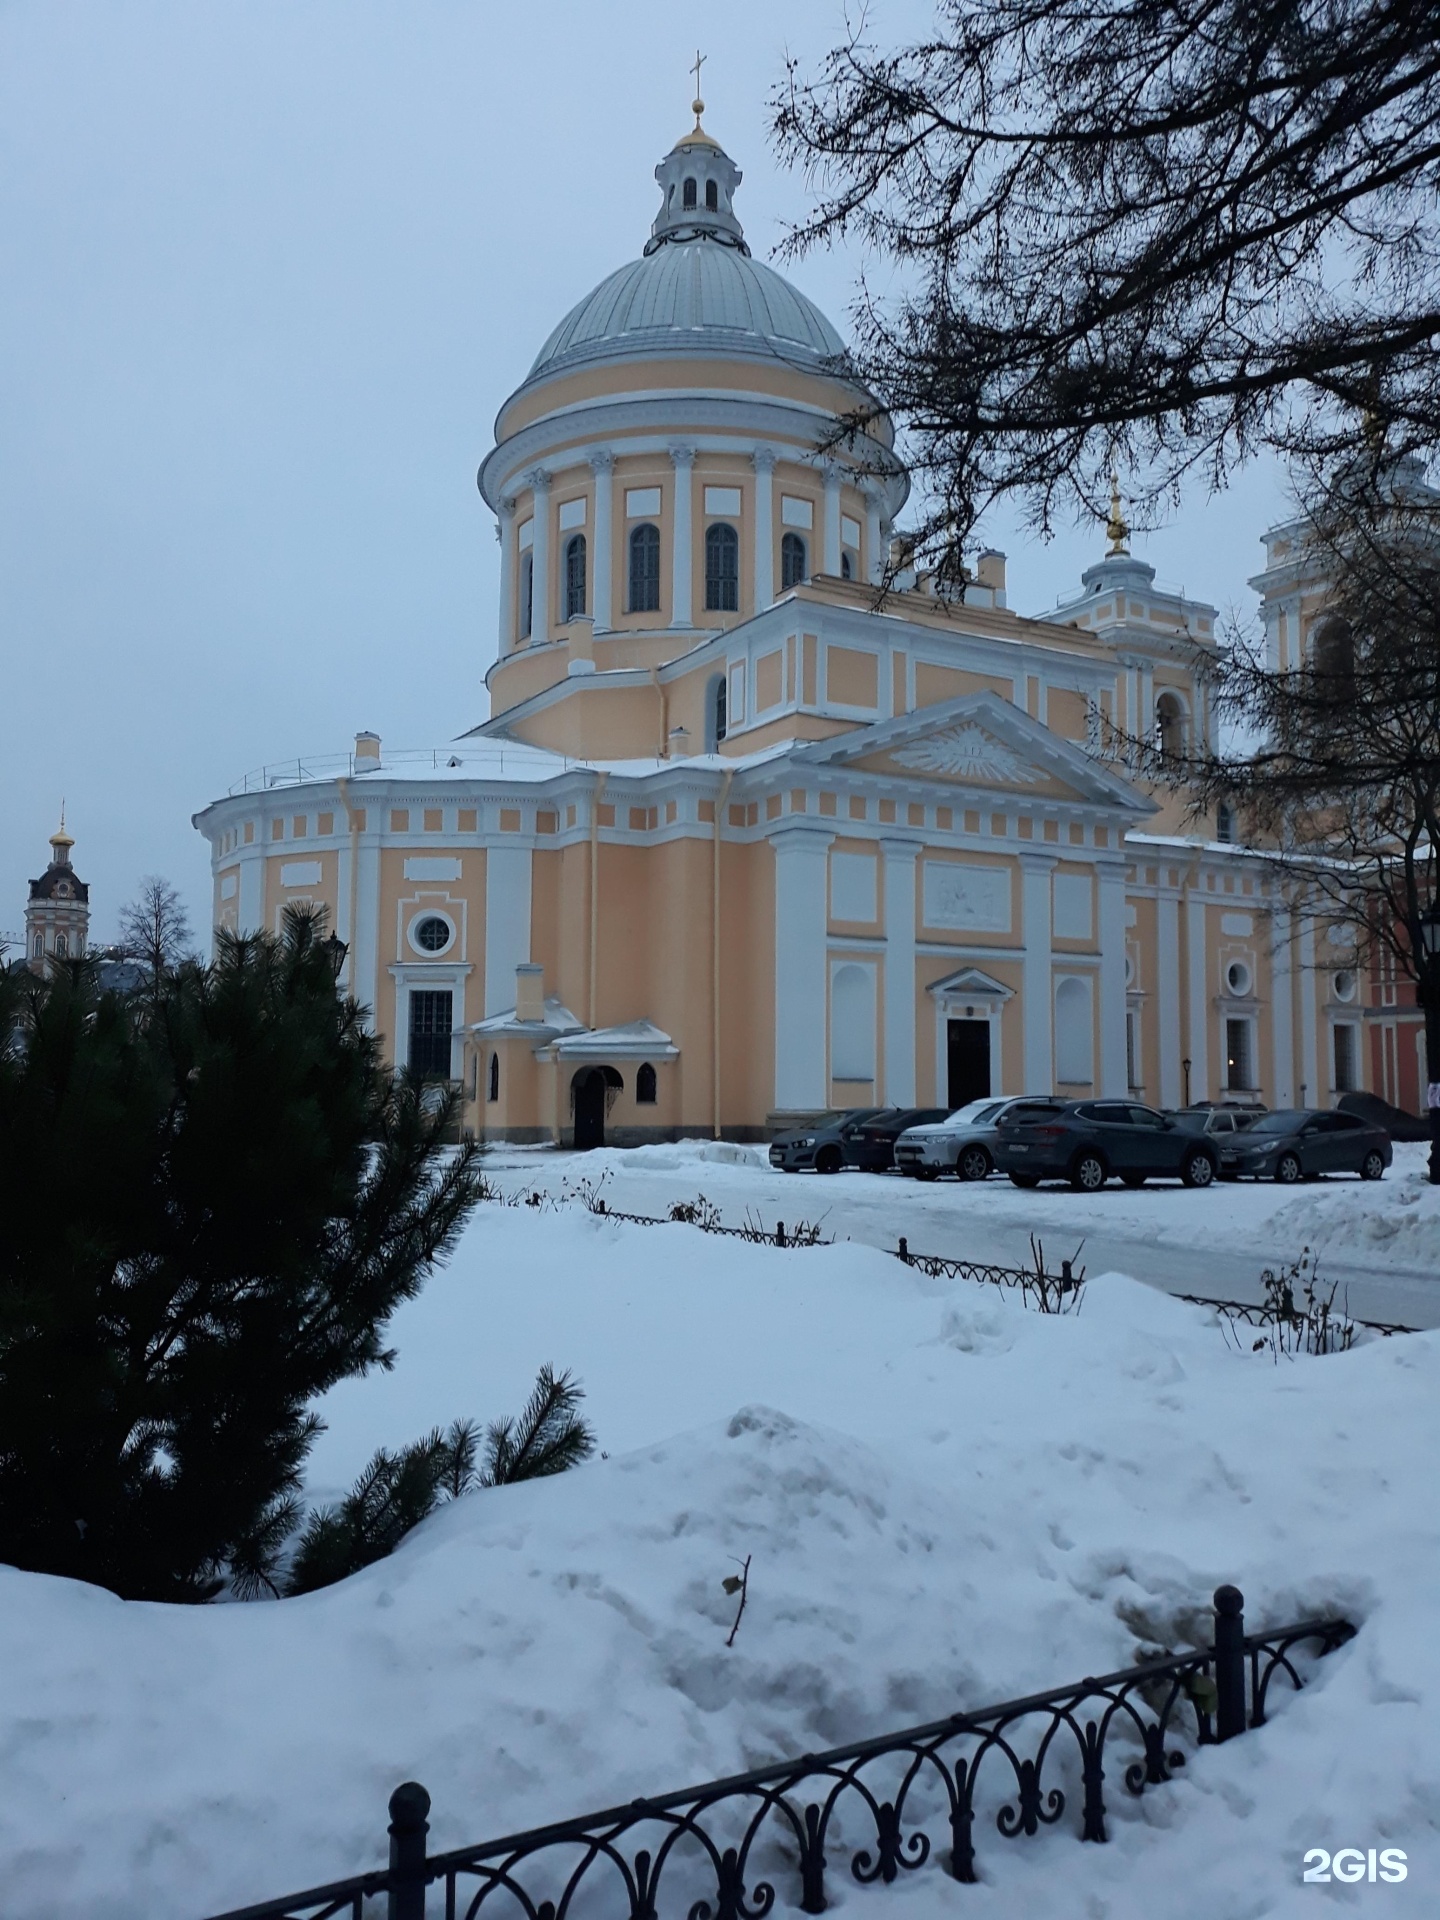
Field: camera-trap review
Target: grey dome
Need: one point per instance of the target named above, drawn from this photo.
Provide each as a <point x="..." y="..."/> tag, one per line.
<point x="692" y="297"/>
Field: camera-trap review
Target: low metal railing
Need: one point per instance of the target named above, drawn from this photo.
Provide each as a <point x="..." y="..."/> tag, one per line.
<point x="721" y="1850"/>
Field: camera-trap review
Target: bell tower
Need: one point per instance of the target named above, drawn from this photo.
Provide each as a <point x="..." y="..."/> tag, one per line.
<point x="57" y="916"/>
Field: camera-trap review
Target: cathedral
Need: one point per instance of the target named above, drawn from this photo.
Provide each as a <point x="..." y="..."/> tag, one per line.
<point x="758" y="825"/>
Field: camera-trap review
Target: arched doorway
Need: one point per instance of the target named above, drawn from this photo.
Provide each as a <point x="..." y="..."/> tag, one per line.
<point x="587" y="1090"/>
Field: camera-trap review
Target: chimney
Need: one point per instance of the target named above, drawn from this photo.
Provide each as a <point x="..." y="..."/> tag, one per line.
<point x="990" y="570"/>
<point x="367" y="750"/>
<point x="529" y="991"/>
<point x="679" y="743"/>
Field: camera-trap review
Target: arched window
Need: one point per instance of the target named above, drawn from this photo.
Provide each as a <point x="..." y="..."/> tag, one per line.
<point x="1170" y="726"/>
<point x="1334" y="655"/>
<point x="716" y="712"/>
<point x="847" y="565"/>
<point x="645" y="569"/>
<point x="492" y="1088"/>
<point x="645" y="1085"/>
<point x="1225" y="822"/>
<point x="527" y="594"/>
<point x="62" y="947"/>
<point x="1074" y="1033"/>
<point x="574" y="575"/>
<point x="722" y="569"/>
<point x="852" y="1023"/>
<point x="39" y="946"/>
<point x="712" y="195"/>
<point x="792" y="561"/>
<point x="689" y="195"/>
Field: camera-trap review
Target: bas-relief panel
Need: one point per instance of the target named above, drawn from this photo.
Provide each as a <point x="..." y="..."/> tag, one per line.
<point x="966" y="899"/>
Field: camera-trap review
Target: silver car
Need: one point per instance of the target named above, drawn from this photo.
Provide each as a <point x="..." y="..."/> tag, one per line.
<point x="962" y="1144"/>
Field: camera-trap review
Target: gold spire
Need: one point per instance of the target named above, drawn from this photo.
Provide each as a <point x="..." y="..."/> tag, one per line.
<point x="1117" y="530"/>
<point x="61" y="841"/>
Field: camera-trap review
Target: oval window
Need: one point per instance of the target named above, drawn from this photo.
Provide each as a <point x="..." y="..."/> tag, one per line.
<point x="1237" y="978"/>
<point x="1344" y="985"/>
<point x="432" y="934"/>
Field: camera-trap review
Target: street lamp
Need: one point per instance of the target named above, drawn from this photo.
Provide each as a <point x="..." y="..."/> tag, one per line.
<point x="1430" y="944"/>
<point x="335" y="952"/>
<point x="1430" y="930"/>
<point x="1186" y="1065"/>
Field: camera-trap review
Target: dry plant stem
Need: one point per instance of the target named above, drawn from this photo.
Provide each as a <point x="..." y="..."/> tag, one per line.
<point x="744" y="1593"/>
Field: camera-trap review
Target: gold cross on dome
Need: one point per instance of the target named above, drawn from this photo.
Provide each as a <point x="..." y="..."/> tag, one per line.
<point x="697" y="104"/>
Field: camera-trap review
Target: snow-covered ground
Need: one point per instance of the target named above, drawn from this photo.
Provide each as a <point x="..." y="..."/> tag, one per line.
<point x="947" y="1500"/>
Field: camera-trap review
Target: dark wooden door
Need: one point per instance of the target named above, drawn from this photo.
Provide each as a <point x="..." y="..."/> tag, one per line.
<point x="589" y="1091"/>
<point x="967" y="1046"/>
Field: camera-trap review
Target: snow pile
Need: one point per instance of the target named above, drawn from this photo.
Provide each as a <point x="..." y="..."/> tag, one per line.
<point x="1396" y="1220"/>
<point x="947" y="1501"/>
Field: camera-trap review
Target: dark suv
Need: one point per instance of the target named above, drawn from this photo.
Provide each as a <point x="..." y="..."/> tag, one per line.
<point x="875" y="1141"/>
<point x="827" y="1144"/>
<point x="1087" y="1141"/>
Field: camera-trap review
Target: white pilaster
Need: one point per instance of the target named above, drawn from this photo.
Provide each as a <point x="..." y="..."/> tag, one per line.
<point x="542" y="613"/>
<point x="832" y="518"/>
<point x="1146" y="729"/>
<point x="1282" y="1010"/>
<point x="505" y="533"/>
<point x="1197" y="1037"/>
<point x="1309" y="1047"/>
<point x="1114" y="1077"/>
<point x="874" y="558"/>
<point x="899" y="870"/>
<point x="764" y="463"/>
<point x="1035" y="871"/>
<point x="1134" y="723"/>
<point x="250" y="895"/>
<point x="365" y="940"/>
<point x="682" y="562"/>
<point x="507" y="923"/>
<point x="800" y="984"/>
<point x="1167" y="996"/>
<point x="602" y="465"/>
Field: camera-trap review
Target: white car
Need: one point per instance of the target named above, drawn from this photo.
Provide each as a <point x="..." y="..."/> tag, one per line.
<point x="959" y="1144"/>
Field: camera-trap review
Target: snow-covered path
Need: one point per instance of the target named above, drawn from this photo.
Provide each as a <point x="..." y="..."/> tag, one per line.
<point x="1380" y="1243"/>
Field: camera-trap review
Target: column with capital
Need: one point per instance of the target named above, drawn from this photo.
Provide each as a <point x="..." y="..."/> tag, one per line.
<point x="602" y="465"/>
<point x="899" y="911"/>
<point x="764" y="463"/>
<point x="1035" y="935"/>
<point x="1114" y="1065"/>
<point x="505" y="534"/>
<point x="831" y="562"/>
<point x="682" y="563"/>
<point x="874" y="558"/>
<point x="539" y="482"/>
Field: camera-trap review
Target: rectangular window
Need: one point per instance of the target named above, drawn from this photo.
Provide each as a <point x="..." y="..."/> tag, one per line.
<point x="1345" y="1078"/>
<point x="431" y="1018"/>
<point x="1237" y="1056"/>
<point x="641" y="502"/>
<point x="796" y="513"/>
<point x="722" y="500"/>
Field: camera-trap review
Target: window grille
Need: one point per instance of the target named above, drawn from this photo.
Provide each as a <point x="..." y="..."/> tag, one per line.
<point x="645" y="1088"/>
<point x="688" y="198"/>
<point x="722" y="569"/>
<point x="792" y="561"/>
<point x="492" y="1091"/>
<point x="431" y="1019"/>
<point x="574" y="576"/>
<point x="1237" y="1056"/>
<point x="645" y="569"/>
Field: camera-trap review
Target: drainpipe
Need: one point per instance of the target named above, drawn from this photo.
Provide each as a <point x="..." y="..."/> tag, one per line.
<point x="600" y="780"/>
<point x="664" y="712"/>
<point x="720" y="804"/>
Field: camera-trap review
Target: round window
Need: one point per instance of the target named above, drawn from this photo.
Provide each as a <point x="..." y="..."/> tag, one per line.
<point x="1129" y="970"/>
<point x="432" y="934"/>
<point x="1344" y="985"/>
<point x="1237" y="978"/>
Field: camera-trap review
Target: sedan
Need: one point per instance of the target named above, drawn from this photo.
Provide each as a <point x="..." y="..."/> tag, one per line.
<point x="962" y="1144"/>
<point x="1300" y="1143"/>
<point x="1223" y="1127"/>
<point x="826" y="1145"/>
<point x="875" y="1142"/>
<point x="1087" y="1141"/>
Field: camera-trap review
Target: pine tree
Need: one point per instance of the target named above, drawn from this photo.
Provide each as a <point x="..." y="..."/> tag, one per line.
<point x="398" y="1490"/>
<point x="215" y="1196"/>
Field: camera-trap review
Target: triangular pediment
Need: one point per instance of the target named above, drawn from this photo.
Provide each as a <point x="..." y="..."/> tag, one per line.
<point x="981" y="743"/>
<point x="971" y="983"/>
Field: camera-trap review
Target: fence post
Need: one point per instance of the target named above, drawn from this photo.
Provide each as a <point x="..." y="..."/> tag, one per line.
<point x="409" y="1806"/>
<point x="1067" y="1272"/>
<point x="779" y="1233"/>
<point x="904" y="1249"/>
<point x="1229" y="1662"/>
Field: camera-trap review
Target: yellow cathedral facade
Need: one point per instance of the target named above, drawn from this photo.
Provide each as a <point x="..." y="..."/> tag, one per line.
<point x="747" y="835"/>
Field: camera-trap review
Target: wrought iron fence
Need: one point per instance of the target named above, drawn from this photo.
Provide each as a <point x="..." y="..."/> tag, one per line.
<point x="720" y="1851"/>
<point x="1263" y="1313"/>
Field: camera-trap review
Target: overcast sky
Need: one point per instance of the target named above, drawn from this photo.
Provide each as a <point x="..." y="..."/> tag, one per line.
<point x="267" y="271"/>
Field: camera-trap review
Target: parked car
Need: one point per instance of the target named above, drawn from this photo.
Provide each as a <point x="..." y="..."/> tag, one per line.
<point x="1299" y="1143"/>
<point x="1222" y="1126"/>
<point x="1086" y="1141"/>
<point x="875" y="1141"/>
<point x="963" y="1143"/>
<point x="825" y="1146"/>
